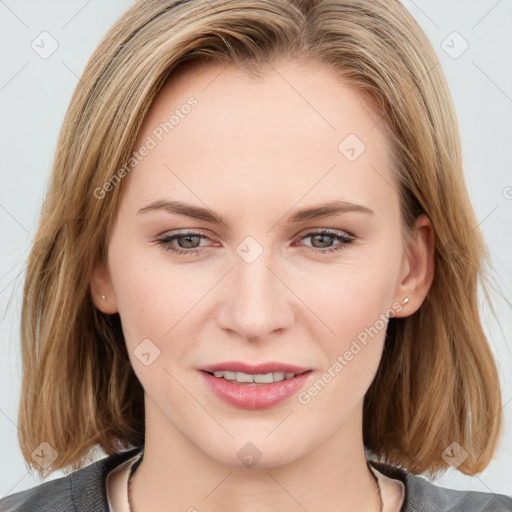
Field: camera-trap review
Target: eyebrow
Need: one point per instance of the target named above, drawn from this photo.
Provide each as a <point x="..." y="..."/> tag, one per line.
<point x="329" y="208"/>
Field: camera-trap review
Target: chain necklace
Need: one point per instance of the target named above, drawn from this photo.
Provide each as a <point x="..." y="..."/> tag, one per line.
<point x="133" y="467"/>
<point x="377" y="484"/>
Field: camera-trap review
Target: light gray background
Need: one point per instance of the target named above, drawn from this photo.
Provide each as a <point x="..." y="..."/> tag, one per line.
<point x="34" y="95"/>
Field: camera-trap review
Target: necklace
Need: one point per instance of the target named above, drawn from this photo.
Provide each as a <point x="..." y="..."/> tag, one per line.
<point x="377" y="485"/>
<point x="133" y="468"/>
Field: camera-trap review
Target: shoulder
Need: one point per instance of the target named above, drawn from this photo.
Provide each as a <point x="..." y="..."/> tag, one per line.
<point x="53" y="495"/>
<point x="422" y="495"/>
<point x="83" y="489"/>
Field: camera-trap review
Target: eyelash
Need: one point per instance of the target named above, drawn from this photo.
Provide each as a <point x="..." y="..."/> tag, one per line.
<point x="345" y="240"/>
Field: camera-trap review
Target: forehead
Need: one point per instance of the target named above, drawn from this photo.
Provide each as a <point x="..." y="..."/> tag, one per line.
<point x="297" y="130"/>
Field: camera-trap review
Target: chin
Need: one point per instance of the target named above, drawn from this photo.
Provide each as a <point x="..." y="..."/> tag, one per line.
<point x="257" y="454"/>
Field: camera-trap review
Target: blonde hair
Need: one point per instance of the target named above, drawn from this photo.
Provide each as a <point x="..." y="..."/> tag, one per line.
<point x="437" y="382"/>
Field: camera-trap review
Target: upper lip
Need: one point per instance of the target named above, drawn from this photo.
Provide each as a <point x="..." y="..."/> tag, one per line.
<point x="270" y="367"/>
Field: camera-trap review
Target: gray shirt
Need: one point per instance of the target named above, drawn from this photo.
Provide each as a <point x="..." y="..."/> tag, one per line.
<point x="84" y="490"/>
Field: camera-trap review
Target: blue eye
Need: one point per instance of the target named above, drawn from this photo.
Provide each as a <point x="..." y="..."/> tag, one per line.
<point x="189" y="236"/>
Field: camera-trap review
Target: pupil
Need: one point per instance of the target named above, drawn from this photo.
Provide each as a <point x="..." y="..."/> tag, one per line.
<point x="187" y="238"/>
<point x="322" y="237"/>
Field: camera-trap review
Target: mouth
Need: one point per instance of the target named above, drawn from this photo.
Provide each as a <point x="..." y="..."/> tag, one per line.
<point x="258" y="378"/>
<point x="257" y="369"/>
<point x="255" y="387"/>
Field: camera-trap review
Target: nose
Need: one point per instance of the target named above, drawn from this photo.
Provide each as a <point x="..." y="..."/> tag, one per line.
<point x="259" y="303"/>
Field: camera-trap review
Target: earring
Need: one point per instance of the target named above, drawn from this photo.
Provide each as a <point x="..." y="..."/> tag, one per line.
<point x="406" y="300"/>
<point x="103" y="297"/>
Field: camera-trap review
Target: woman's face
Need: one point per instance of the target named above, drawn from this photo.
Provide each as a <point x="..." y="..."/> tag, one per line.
<point x="264" y="287"/>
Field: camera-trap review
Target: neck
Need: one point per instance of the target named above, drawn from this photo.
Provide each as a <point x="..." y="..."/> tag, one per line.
<point x="332" y="477"/>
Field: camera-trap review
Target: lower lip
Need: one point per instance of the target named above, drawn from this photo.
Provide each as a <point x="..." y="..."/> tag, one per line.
<point x="255" y="396"/>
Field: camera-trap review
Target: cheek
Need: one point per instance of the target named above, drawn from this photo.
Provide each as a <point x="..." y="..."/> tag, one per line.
<point x="151" y="296"/>
<point x="352" y="355"/>
<point x="351" y="296"/>
<point x="355" y="301"/>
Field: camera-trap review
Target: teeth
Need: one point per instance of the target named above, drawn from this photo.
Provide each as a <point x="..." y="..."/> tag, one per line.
<point x="260" y="378"/>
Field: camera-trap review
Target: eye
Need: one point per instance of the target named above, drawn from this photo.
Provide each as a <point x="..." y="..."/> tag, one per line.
<point x="189" y="242"/>
<point x="324" y="237"/>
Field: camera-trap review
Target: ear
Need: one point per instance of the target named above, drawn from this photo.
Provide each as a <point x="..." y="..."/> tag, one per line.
<point x="101" y="285"/>
<point x="417" y="271"/>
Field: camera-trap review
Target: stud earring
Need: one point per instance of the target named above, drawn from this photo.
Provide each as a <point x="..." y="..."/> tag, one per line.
<point x="103" y="297"/>
<point x="406" y="300"/>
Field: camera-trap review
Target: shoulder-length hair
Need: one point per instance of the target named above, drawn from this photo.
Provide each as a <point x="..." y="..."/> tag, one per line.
<point x="437" y="382"/>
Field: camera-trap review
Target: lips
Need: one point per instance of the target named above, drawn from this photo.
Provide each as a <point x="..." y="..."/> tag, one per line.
<point x="270" y="367"/>
<point x="255" y="395"/>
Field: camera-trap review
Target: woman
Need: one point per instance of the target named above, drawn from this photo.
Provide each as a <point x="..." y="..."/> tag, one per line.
<point x="254" y="284"/>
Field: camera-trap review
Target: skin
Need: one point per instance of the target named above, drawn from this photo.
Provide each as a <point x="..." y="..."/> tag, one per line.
<point x="254" y="151"/>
